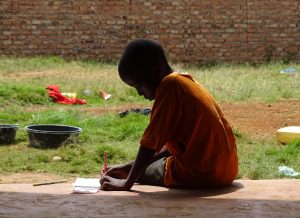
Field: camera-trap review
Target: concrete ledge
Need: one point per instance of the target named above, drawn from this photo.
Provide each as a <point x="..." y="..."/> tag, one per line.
<point x="244" y="198"/>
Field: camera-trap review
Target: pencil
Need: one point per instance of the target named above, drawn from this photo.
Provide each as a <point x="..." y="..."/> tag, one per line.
<point x="101" y="170"/>
<point x="105" y="163"/>
<point x="49" y="183"/>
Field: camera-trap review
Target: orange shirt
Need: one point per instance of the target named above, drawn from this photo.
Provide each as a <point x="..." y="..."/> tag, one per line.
<point x="187" y="119"/>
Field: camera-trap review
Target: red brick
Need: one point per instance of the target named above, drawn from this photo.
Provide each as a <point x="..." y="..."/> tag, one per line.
<point x="193" y="31"/>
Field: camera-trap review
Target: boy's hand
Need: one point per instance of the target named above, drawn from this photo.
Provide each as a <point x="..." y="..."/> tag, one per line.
<point x="119" y="171"/>
<point x="111" y="184"/>
<point x="137" y="167"/>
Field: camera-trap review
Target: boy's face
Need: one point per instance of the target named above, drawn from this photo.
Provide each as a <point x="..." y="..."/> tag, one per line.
<point x="145" y="87"/>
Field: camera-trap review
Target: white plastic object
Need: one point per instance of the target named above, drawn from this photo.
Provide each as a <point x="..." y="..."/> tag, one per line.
<point x="288" y="134"/>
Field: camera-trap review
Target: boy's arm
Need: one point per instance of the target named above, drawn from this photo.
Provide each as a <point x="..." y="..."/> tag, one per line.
<point x="144" y="157"/>
<point x="121" y="171"/>
<point x="163" y="153"/>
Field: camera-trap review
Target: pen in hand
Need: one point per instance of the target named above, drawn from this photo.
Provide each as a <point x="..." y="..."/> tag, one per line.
<point x="104" y="164"/>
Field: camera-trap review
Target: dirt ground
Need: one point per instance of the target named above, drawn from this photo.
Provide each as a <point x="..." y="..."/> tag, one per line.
<point x="258" y="120"/>
<point x="262" y="119"/>
<point x="253" y="119"/>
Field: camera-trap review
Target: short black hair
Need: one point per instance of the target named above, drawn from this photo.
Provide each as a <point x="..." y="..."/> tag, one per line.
<point x="142" y="55"/>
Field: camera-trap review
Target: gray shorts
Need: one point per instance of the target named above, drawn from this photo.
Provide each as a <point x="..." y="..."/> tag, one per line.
<point x="154" y="173"/>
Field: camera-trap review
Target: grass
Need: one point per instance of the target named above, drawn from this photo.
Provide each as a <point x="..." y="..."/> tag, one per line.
<point x="110" y="132"/>
<point x="261" y="159"/>
<point x="24" y="101"/>
<point x="248" y="83"/>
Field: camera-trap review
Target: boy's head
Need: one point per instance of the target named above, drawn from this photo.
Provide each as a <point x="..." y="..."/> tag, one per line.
<point x="143" y="65"/>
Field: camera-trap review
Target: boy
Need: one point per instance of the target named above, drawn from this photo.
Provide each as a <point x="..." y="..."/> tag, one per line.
<point x="188" y="142"/>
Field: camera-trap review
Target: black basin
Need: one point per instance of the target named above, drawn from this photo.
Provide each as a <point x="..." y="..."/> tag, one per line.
<point x="52" y="136"/>
<point x="8" y="133"/>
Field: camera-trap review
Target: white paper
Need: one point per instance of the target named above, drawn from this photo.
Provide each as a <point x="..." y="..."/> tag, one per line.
<point x="83" y="185"/>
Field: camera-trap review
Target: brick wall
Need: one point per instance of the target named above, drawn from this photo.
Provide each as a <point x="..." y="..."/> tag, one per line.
<point x="192" y="31"/>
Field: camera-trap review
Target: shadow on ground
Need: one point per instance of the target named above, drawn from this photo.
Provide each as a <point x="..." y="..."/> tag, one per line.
<point x="145" y="201"/>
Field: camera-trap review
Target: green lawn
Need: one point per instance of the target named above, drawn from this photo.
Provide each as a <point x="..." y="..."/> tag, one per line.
<point x="24" y="101"/>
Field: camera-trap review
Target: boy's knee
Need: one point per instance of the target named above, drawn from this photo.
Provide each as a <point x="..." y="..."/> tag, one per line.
<point x="154" y="173"/>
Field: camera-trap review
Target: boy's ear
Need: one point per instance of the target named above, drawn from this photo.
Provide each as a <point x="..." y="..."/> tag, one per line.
<point x="154" y="73"/>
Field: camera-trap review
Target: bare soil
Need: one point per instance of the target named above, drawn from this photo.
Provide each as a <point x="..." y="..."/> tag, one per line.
<point x="254" y="119"/>
<point x="262" y="119"/>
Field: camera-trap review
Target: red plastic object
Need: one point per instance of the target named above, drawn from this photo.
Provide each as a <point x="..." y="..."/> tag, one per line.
<point x="56" y="95"/>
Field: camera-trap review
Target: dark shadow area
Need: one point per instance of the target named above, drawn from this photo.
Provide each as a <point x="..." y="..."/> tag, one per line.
<point x="165" y="203"/>
<point x="190" y="193"/>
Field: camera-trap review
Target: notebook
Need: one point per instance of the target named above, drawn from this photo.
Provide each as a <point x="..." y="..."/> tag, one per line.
<point x="86" y="185"/>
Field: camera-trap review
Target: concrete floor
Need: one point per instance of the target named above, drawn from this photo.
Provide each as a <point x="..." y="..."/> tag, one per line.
<point x="245" y="198"/>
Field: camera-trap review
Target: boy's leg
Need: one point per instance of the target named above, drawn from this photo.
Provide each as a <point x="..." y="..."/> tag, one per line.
<point x="154" y="173"/>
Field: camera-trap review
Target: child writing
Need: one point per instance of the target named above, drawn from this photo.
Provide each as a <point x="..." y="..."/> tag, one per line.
<point x="188" y="142"/>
